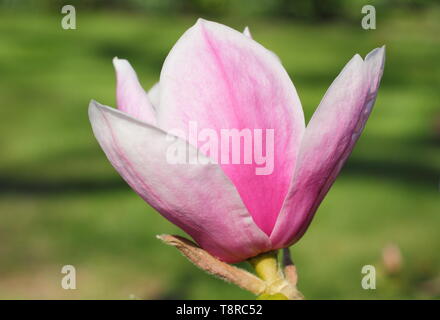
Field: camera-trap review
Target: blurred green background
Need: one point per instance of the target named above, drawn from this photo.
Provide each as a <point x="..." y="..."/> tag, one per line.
<point x="62" y="203"/>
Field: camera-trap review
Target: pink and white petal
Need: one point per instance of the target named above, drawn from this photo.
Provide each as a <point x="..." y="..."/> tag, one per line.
<point x="375" y="62"/>
<point x="154" y="95"/>
<point x="198" y="198"/>
<point x="131" y="98"/>
<point x="221" y="79"/>
<point x="328" y="141"/>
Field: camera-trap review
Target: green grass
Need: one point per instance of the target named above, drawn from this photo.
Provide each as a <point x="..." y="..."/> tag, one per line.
<point x="62" y="203"/>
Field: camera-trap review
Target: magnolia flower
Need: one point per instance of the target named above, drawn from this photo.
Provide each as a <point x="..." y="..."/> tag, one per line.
<point x="223" y="79"/>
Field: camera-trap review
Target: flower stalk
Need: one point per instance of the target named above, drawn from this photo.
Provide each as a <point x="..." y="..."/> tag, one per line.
<point x="269" y="283"/>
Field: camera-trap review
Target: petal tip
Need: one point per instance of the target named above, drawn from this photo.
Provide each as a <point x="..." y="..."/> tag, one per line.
<point x="247" y="32"/>
<point x="92" y="104"/>
<point x="356" y="62"/>
<point x="377" y="53"/>
<point x="357" y="57"/>
<point x="115" y="61"/>
<point x="120" y="64"/>
<point x="375" y="61"/>
<point x="200" y="22"/>
<point x="95" y="107"/>
<point x="93" y="111"/>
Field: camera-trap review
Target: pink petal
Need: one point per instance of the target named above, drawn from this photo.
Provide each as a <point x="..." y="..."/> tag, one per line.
<point x="130" y="96"/>
<point x="198" y="198"/>
<point x="328" y="141"/>
<point x="222" y="79"/>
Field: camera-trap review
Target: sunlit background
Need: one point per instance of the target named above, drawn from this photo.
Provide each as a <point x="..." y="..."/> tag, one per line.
<point x="61" y="202"/>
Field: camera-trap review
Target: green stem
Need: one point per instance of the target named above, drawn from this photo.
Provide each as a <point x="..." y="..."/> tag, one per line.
<point x="267" y="268"/>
